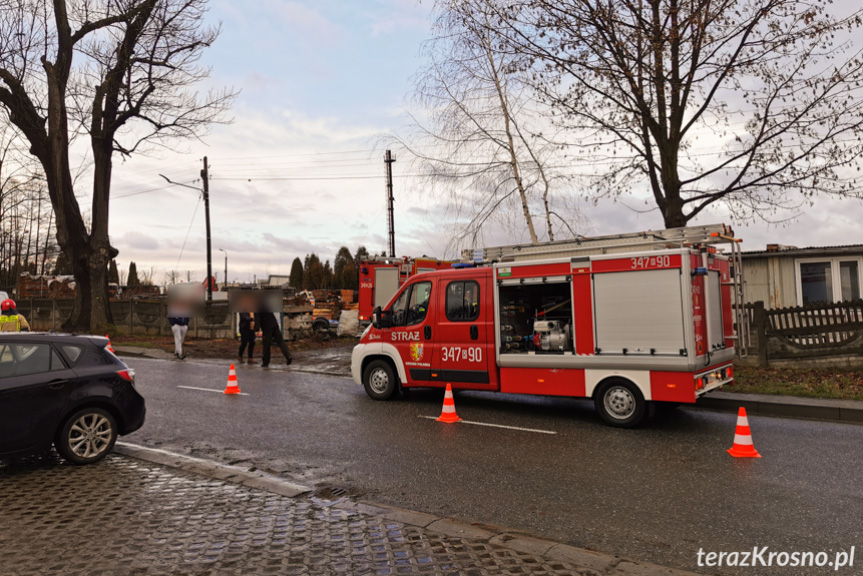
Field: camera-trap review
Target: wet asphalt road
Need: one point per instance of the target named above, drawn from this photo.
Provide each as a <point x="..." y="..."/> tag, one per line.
<point x="657" y="494"/>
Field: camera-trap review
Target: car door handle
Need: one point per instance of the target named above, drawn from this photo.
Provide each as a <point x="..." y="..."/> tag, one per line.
<point x="57" y="384"/>
<point x="427" y="332"/>
<point x="474" y="332"/>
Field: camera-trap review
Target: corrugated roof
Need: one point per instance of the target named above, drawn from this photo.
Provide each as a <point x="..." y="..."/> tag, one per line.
<point x="847" y="248"/>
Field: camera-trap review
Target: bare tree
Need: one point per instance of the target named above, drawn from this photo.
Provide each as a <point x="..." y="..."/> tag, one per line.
<point x="756" y="104"/>
<point x="146" y="276"/>
<point x="482" y="144"/>
<point x="25" y="213"/>
<point x="119" y="72"/>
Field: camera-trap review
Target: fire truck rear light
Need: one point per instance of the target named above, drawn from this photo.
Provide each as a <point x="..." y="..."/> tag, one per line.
<point x="541" y="380"/>
<point x="434" y="375"/>
<point x="671" y="385"/>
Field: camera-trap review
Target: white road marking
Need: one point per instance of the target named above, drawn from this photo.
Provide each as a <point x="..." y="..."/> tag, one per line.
<point x="497" y="425"/>
<point x="211" y="390"/>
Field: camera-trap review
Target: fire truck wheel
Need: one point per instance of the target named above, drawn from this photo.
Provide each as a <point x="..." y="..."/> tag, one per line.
<point x="379" y="380"/>
<point x="620" y="403"/>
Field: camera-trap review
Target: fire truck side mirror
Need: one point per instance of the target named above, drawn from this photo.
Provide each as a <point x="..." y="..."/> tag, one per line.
<point x="381" y="318"/>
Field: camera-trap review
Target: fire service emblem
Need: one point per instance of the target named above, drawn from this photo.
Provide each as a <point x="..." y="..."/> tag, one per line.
<point x="416" y="351"/>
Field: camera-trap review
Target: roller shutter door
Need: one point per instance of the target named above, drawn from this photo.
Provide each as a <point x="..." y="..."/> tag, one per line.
<point x="638" y="311"/>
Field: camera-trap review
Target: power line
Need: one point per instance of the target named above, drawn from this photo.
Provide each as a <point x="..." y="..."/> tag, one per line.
<point x="296" y="155"/>
<point x="195" y="213"/>
<point x="318" y="163"/>
<point x="150" y="170"/>
<point x="140" y="192"/>
<point x="349" y="177"/>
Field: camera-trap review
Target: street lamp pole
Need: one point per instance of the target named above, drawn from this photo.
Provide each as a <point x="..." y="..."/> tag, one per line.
<point x="226" y="266"/>
<point x="205" y="176"/>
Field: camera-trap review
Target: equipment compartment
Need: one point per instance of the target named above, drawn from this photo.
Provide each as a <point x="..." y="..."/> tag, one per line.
<point x="535" y="317"/>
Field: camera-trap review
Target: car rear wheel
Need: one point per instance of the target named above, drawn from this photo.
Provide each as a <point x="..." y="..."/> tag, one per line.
<point x="87" y="436"/>
<point x="620" y="403"/>
<point x="379" y="380"/>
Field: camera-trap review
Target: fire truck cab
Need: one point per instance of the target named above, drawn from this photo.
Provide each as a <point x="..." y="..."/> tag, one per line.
<point x="381" y="277"/>
<point x="626" y="327"/>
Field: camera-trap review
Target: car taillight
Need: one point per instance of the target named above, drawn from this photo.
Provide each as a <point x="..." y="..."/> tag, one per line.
<point x="128" y="375"/>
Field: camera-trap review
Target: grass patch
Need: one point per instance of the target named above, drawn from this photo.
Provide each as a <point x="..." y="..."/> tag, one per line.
<point x="806" y="382"/>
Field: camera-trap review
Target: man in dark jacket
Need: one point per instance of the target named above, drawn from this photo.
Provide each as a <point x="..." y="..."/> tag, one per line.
<point x="271" y="332"/>
<point x="247" y="335"/>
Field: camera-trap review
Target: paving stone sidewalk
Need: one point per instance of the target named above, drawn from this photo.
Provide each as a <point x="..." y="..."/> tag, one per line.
<point x="125" y="516"/>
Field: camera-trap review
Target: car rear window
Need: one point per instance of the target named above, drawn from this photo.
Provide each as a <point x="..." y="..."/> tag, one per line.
<point x="72" y="352"/>
<point x="95" y="356"/>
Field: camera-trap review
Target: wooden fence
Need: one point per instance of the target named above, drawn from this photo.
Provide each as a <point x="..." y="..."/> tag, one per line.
<point x="808" y="334"/>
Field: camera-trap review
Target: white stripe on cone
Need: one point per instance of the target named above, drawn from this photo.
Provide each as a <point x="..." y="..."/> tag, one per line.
<point x="744" y="440"/>
<point x="448" y="409"/>
<point x="743" y="421"/>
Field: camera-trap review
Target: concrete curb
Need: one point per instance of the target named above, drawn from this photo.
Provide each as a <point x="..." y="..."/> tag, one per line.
<point x="845" y="411"/>
<point x="141" y="352"/>
<point x="601" y="564"/>
<point x="212" y="469"/>
<point x="152" y="354"/>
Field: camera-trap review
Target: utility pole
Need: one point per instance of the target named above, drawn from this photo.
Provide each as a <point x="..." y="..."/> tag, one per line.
<point x="226" y="267"/>
<point x="205" y="177"/>
<point x="388" y="160"/>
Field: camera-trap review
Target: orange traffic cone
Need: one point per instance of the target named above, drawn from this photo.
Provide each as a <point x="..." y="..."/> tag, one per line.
<point x="448" y="413"/>
<point x="109" y="347"/>
<point x="232" y="387"/>
<point x="743" y="447"/>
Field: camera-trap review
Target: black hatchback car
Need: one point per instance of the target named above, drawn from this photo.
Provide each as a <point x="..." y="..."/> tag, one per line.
<point x="65" y="390"/>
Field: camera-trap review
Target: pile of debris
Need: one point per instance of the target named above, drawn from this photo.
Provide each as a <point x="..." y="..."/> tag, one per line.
<point x="350" y="300"/>
<point x="43" y="286"/>
<point x="327" y="304"/>
<point x="316" y="311"/>
<point x="138" y="292"/>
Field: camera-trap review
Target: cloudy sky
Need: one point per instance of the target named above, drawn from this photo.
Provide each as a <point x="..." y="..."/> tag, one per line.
<point x="300" y="168"/>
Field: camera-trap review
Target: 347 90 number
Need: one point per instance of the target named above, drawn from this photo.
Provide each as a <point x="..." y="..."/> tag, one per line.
<point x="455" y="353"/>
<point x="646" y="263"/>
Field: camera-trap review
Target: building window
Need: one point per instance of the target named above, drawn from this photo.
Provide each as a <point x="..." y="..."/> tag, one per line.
<point x="828" y="280"/>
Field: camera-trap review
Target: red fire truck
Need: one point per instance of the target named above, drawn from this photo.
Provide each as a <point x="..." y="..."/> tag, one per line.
<point x="626" y="320"/>
<point x="381" y="277"/>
